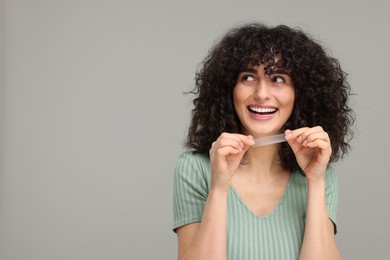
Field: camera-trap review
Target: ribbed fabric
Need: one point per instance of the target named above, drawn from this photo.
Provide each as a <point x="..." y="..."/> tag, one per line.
<point x="277" y="235"/>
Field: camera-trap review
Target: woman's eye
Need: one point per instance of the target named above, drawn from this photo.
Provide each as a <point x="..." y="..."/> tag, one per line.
<point x="278" y="79"/>
<point x="248" y="78"/>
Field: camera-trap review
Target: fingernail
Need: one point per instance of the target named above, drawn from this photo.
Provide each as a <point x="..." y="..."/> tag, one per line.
<point x="299" y="139"/>
<point x="304" y="143"/>
<point x="288" y="136"/>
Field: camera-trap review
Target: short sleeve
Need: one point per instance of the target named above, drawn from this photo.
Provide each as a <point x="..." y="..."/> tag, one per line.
<point x="331" y="191"/>
<point x="190" y="188"/>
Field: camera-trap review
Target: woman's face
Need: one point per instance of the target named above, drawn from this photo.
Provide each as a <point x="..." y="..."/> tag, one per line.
<point x="263" y="104"/>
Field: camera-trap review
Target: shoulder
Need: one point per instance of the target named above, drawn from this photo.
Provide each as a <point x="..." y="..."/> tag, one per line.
<point x="331" y="181"/>
<point x="330" y="177"/>
<point x="193" y="166"/>
<point x="192" y="160"/>
<point x="193" y="157"/>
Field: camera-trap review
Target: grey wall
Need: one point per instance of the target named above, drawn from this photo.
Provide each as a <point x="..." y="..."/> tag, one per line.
<point x="93" y="116"/>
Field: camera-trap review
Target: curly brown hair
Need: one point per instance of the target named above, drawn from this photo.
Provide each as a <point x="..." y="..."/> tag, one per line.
<point x="320" y="84"/>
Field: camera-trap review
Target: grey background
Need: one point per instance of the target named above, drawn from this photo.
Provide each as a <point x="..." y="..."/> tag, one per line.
<point x="93" y="117"/>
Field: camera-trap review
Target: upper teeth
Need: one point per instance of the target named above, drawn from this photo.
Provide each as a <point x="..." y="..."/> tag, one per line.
<point x="263" y="109"/>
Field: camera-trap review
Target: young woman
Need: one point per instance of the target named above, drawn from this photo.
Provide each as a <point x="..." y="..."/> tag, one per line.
<point x="239" y="202"/>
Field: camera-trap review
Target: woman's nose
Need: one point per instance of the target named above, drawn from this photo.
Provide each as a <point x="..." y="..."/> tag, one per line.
<point x="262" y="91"/>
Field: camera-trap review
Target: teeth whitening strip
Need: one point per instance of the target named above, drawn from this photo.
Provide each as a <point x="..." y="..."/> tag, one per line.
<point x="272" y="139"/>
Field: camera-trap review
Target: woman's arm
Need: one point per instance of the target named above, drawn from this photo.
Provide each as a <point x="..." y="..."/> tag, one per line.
<point x="318" y="241"/>
<point x="207" y="239"/>
<point x="312" y="150"/>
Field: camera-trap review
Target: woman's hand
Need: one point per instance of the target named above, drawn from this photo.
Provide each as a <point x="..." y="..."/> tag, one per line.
<point x="225" y="157"/>
<point x="312" y="149"/>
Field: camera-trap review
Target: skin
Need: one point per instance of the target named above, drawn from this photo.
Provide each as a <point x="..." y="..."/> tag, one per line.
<point x="261" y="178"/>
<point x="254" y="89"/>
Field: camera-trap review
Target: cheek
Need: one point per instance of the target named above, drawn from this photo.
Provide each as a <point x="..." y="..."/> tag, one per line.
<point x="287" y="101"/>
<point x="291" y="104"/>
<point x="291" y="101"/>
<point x="289" y="98"/>
<point x="238" y="96"/>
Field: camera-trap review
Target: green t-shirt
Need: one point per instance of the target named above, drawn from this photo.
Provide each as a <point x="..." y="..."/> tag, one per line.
<point x="277" y="235"/>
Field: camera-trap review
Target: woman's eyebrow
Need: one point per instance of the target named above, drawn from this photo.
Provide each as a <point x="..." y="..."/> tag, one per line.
<point x="249" y="70"/>
<point x="280" y="71"/>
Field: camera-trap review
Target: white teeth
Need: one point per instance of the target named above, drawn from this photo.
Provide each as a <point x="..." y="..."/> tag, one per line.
<point x="263" y="109"/>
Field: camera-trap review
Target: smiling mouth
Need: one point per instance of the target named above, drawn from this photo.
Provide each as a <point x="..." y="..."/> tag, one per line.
<point x="263" y="111"/>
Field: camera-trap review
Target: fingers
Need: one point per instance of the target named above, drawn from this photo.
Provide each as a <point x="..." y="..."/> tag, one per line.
<point x="232" y="143"/>
<point x="307" y="135"/>
<point x="314" y="137"/>
<point x="225" y="156"/>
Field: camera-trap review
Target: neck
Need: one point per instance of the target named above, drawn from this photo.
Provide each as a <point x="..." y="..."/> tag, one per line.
<point x="263" y="160"/>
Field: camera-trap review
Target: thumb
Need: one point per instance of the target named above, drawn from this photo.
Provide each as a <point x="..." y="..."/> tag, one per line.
<point x="292" y="141"/>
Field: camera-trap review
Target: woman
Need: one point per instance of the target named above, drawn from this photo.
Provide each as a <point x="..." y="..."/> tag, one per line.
<point x="236" y="201"/>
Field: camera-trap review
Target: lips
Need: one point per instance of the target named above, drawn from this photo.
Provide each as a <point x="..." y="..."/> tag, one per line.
<point x="262" y="111"/>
